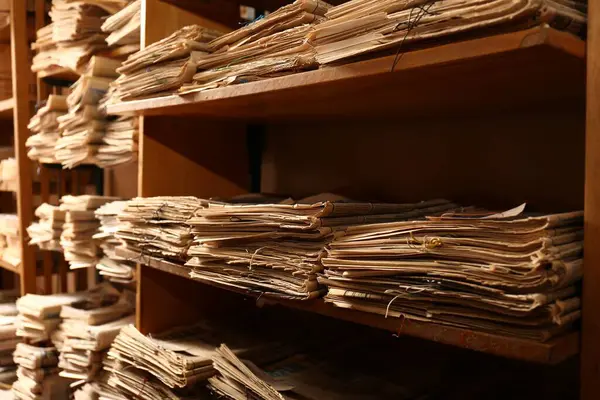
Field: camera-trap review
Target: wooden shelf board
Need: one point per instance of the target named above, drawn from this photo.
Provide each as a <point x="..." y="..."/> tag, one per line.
<point x="531" y="68"/>
<point x="551" y="352"/>
<point x="9" y="267"/>
<point x="58" y="76"/>
<point x="6" y="108"/>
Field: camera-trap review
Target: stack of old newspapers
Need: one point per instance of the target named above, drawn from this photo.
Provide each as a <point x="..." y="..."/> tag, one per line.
<point x="46" y="232"/>
<point x="44" y="126"/>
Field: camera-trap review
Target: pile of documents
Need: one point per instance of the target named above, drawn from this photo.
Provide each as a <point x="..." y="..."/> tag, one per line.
<point x="177" y="359"/>
<point x="363" y="26"/>
<point x="37" y="373"/>
<point x="8" y="342"/>
<point x="275" y="45"/>
<point x="276" y="249"/>
<point x="74" y="35"/>
<point x="82" y="128"/>
<point x="77" y="238"/>
<point x="39" y="315"/>
<point x="509" y="274"/>
<point x="124" y="27"/>
<point x="89" y="328"/>
<point x="112" y="266"/>
<point x="164" y="65"/>
<point x="98" y="389"/>
<point x="46" y="232"/>
<point x="9" y="173"/>
<point x="120" y="142"/>
<point x="10" y="240"/>
<point x="155" y="226"/>
<point x="44" y="126"/>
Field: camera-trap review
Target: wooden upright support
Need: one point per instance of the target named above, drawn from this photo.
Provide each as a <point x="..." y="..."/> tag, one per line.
<point x="22" y="113"/>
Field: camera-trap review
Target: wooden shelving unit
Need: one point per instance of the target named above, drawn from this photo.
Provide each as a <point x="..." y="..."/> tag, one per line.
<point x="493" y="121"/>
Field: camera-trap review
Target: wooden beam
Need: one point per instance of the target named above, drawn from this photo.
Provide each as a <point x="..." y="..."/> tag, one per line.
<point x="590" y="344"/>
<point x="22" y="113"/>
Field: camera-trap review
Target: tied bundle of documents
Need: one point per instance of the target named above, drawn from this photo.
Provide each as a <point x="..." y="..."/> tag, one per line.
<point x="364" y="26"/>
<point x="89" y="328"/>
<point x="275" y="45"/>
<point x="112" y="266"/>
<point x="44" y="126"/>
<point x="276" y="249"/>
<point x="37" y="373"/>
<point x="46" y="232"/>
<point x="9" y="174"/>
<point x="508" y="274"/>
<point x="82" y="129"/>
<point x="124" y="26"/>
<point x="119" y="143"/>
<point x="164" y="65"/>
<point x="8" y="342"/>
<point x="77" y="238"/>
<point x="10" y="240"/>
<point x="155" y="226"/>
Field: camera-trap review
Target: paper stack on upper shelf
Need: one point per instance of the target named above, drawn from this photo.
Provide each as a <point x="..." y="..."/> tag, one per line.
<point x="74" y="35"/>
<point x="9" y="174"/>
<point x="46" y="232"/>
<point x="10" y="241"/>
<point x="275" y="45"/>
<point x="164" y="65"/>
<point x="362" y="26"/>
<point x="89" y="328"/>
<point x="124" y="26"/>
<point x="114" y="267"/>
<point x="276" y="249"/>
<point x="80" y="248"/>
<point x="509" y="274"/>
<point x="82" y="129"/>
<point x="44" y="126"/>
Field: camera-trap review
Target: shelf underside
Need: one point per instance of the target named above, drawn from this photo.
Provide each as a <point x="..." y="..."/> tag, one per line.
<point x="6" y="108"/>
<point x="534" y="68"/>
<point x="9" y="267"/>
<point x="551" y="352"/>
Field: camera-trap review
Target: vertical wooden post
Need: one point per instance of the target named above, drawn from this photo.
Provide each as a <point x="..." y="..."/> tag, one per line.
<point x="590" y="342"/>
<point x="20" y="86"/>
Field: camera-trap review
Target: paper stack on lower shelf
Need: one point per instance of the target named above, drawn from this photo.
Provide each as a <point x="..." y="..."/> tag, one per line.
<point x="120" y="142"/>
<point x="508" y="274"/>
<point x="89" y="328"/>
<point x="8" y="342"/>
<point x="9" y="175"/>
<point x="115" y="268"/>
<point x="77" y="238"/>
<point x="37" y="373"/>
<point x="46" y="232"/>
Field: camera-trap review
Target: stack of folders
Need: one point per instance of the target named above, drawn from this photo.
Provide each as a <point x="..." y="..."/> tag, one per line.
<point x="44" y="126"/>
<point x="82" y="128"/>
<point x="275" y="250"/>
<point x="509" y="273"/>
<point x="120" y="142"/>
<point x="10" y="240"/>
<point x="89" y="328"/>
<point x="77" y="238"/>
<point x="74" y="35"/>
<point x="9" y="173"/>
<point x="123" y="28"/>
<point x="37" y="373"/>
<point x="170" y="363"/>
<point x="39" y="317"/>
<point x="112" y="266"/>
<point x="363" y="26"/>
<point x="156" y="226"/>
<point x="8" y="342"/>
<point x="46" y="232"/>
<point x="275" y="45"/>
<point x="164" y="65"/>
